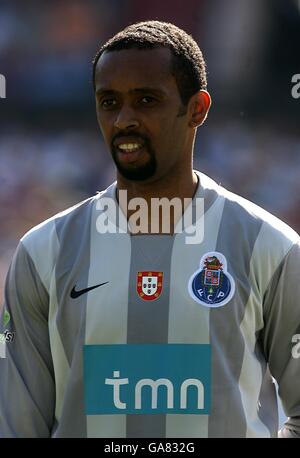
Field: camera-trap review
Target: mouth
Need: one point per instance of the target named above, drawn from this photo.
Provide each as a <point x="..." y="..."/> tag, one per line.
<point x="130" y="152"/>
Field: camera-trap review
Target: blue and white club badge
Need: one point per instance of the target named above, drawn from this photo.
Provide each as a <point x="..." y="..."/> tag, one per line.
<point x="212" y="285"/>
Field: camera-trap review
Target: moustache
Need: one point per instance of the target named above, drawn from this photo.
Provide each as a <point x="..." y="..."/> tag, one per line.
<point x="137" y="138"/>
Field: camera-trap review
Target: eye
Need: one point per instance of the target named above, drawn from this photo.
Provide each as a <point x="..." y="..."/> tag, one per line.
<point x="106" y="104"/>
<point x="147" y="100"/>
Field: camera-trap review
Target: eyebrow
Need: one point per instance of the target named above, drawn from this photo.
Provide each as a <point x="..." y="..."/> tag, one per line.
<point x="138" y="90"/>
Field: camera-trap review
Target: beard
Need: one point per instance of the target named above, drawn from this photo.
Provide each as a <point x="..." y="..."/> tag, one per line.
<point x="136" y="172"/>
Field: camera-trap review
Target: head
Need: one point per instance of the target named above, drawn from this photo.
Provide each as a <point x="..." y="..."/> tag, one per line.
<point x="150" y="85"/>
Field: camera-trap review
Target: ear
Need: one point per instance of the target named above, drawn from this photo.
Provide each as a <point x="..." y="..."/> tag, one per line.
<point x="199" y="106"/>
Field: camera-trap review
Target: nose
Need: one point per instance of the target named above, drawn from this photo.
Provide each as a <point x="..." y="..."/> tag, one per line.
<point x="126" y="119"/>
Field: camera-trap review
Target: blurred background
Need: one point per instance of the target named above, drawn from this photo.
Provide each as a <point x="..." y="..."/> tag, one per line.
<point x="51" y="152"/>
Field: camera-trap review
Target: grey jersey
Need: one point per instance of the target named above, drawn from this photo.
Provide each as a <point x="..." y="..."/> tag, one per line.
<point x="115" y="335"/>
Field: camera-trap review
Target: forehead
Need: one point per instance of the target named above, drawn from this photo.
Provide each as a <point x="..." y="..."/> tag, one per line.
<point x="128" y="69"/>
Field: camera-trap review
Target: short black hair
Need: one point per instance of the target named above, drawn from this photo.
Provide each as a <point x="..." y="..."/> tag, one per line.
<point x="187" y="64"/>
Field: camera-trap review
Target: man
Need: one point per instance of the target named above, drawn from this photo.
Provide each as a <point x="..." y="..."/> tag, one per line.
<point x="149" y="332"/>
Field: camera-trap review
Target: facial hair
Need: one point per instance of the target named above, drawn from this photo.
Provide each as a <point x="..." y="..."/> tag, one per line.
<point x="136" y="173"/>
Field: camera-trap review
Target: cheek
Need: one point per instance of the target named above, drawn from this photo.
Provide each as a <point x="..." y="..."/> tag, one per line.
<point x="105" y="128"/>
<point x="173" y="135"/>
<point x="164" y="129"/>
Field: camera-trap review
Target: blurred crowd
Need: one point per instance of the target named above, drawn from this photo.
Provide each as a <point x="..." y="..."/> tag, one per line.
<point x="51" y="151"/>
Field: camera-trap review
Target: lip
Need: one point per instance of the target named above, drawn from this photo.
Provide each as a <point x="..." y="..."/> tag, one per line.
<point x="131" y="156"/>
<point x="121" y="140"/>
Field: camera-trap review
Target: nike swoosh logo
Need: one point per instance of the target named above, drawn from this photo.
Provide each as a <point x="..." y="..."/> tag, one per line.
<point x="74" y="294"/>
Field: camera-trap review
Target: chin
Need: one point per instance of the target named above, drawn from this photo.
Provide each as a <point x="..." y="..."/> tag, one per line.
<point x="143" y="173"/>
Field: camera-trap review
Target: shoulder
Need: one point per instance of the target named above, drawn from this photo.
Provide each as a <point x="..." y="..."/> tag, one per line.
<point x="46" y="231"/>
<point x="243" y="215"/>
<point x="68" y="220"/>
<point x="59" y="236"/>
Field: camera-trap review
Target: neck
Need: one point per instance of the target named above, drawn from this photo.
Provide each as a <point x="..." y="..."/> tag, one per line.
<point x="181" y="186"/>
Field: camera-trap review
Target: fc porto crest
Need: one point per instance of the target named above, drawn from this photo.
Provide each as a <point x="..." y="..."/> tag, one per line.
<point x="212" y="285"/>
<point x="149" y="285"/>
